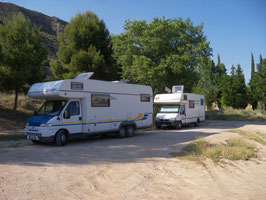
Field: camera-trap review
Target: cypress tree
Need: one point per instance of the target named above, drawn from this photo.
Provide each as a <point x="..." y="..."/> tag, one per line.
<point x="251" y="90"/>
<point x="219" y="61"/>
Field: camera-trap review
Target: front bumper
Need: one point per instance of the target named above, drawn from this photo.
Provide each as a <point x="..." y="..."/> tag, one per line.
<point x="165" y="123"/>
<point x="41" y="134"/>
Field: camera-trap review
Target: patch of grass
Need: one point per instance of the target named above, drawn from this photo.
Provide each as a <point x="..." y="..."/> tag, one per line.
<point x="237" y="115"/>
<point x="14" y="120"/>
<point x="255" y="136"/>
<point x="234" y="149"/>
<point x="11" y="137"/>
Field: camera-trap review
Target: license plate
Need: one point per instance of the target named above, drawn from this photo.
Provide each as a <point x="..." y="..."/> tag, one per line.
<point x="33" y="137"/>
<point x="163" y="125"/>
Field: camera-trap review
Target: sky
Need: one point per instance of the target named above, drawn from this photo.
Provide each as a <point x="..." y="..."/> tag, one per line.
<point x="234" y="28"/>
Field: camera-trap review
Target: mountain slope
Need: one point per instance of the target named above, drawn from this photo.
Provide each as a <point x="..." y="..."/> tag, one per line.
<point x="50" y="26"/>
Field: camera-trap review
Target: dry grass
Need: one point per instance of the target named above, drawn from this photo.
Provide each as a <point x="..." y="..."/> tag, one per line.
<point x="11" y="137"/>
<point x="234" y="149"/>
<point x="235" y="114"/>
<point x="16" y="120"/>
<point x="255" y="136"/>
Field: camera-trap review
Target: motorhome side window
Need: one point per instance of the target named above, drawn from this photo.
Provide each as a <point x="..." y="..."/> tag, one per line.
<point x="100" y="100"/>
<point x="191" y="104"/>
<point x="76" y="86"/>
<point x="201" y="102"/>
<point x="73" y="108"/>
<point x="145" y="98"/>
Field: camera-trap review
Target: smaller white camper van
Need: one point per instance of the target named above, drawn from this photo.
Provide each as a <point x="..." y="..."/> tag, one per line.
<point x="179" y="108"/>
<point x="82" y="106"/>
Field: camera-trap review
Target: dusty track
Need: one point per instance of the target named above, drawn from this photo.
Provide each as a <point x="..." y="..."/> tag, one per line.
<point x="130" y="168"/>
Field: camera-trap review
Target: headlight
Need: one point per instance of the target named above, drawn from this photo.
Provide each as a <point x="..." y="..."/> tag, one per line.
<point x="45" y="125"/>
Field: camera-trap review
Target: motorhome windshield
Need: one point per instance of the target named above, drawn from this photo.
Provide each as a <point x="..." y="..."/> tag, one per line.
<point x="170" y="109"/>
<point x="51" y="108"/>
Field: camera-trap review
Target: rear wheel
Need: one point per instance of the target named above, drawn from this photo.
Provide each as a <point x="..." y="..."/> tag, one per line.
<point x="122" y="132"/>
<point x="196" y="124"/>
<point x="179" y="125"/>
<point x="60" y="138"/>
<point x="130" y="131"/>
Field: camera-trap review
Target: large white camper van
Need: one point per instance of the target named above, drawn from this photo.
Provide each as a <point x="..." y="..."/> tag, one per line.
<point x="179" y="108"/>
<point x="82" y="106"/>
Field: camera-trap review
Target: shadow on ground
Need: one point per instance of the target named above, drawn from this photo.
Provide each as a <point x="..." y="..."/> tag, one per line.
<point x="144" y="146"/>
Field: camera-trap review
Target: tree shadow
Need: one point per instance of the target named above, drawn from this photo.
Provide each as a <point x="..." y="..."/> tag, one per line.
<point x="108" y="149"/>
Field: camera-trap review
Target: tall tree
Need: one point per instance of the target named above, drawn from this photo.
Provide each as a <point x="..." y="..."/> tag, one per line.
<point x="261" y="82"/>
<point x="162" y="53"/>
<point x="22" y="55"/>
<point x="252" y="84"/>
<point x="227" y="81"/>
<point x="219" y="77"/>
<point x="206" y="85"/>
<point x="239" y="89"/>
<point x="219" y="60"/>
<point x="85" y="46"/>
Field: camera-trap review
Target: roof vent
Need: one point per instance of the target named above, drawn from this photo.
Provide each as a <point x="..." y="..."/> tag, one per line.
<point x="178" y="89"/>
<point x="83" y="76"/>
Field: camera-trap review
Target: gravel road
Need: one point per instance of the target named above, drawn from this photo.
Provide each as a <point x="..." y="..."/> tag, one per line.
<point x="131" y="168"/>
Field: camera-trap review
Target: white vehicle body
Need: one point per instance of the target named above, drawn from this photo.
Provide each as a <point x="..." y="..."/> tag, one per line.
<point x="178" y="108"/>
<point x="89" y="107"/>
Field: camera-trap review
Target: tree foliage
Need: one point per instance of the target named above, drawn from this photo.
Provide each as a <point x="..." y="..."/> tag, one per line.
<point x="252" y="85"/>
<point x="21" y="55"/>
<point x="85" y="46"/>
<point x="164" y="52"/>
<point x="235" y="90"/>
<point x="206" y="84"/>
<point x="219" y="78"/>
<point x="260" y="86"/>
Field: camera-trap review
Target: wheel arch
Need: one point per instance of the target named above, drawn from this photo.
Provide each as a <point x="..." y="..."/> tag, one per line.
<point x="128" y="123"/>
<point x="62" y="129"/>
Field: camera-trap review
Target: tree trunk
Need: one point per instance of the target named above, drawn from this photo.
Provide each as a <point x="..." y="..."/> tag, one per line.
<point x="16" y="100"/>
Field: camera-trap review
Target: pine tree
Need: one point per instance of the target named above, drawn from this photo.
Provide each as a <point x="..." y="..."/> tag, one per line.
<point x="85" y="46"/>
<point x="21" y="55"/>
<point x="239" y="90"/>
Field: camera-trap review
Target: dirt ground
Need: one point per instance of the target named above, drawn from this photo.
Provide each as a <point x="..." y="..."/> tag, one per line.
<point x="131" y="168"/>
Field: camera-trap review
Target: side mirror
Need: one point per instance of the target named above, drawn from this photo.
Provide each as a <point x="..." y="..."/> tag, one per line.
<point x="66" y="114"/>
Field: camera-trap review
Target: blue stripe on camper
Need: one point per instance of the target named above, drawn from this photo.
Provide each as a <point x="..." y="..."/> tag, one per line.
<point x="145" y="116"/>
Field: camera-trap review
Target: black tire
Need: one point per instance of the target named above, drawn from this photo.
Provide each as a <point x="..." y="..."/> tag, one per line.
<point x="122" y="132"/>
<point x="179" y="125"/>
<point x="130" y="131"/>
<point x="36" y="142"/>
<point x="61" y="138"/>
<point x="158" y="127"/>
<point x="196" y="123"/>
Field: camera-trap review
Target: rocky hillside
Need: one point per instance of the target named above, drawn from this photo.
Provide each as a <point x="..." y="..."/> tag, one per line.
<point x="50" y="26"/>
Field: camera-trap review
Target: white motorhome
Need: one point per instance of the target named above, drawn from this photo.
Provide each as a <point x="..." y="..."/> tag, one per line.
<point x="179" y="108"/>
<point x="82" y="106"/>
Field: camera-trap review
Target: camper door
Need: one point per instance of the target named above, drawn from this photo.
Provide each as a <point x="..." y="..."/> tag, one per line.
<point x="72" y="118"/>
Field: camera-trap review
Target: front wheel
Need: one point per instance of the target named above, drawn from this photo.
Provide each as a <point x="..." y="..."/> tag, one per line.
<point x="36" y="141"/>
<point x="60" y="138"/>
<point x="179" y="125"/>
